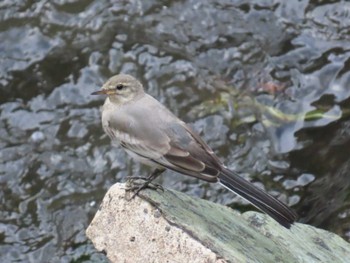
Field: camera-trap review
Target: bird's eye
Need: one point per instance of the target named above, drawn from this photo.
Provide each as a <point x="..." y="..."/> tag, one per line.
<point x="120" y="87"/>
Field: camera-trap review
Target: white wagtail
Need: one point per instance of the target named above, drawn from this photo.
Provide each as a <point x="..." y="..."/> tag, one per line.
<point x="150" y="133"/>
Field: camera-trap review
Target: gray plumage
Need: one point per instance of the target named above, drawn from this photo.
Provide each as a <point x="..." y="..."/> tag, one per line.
<point x="150" y="133"/>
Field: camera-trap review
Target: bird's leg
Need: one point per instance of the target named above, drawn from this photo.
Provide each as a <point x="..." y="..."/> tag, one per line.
<point x="134" y="177"/>
<point x="137" y="187"/>
<point x="156" y="172"/>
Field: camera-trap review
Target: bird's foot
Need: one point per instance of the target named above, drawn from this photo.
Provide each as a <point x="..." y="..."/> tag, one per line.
<point x="135" y="185"/>
<point x="134" y="178"/>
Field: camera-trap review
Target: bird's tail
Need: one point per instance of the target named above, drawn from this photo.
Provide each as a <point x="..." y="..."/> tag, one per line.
<point x="262" y="200"/>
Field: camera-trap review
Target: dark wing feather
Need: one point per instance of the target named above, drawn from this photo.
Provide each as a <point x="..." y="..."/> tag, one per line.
<point x="190" y="153"/>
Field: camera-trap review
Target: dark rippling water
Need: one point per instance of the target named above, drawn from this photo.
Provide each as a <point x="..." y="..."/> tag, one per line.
<point x="267" y="84"/>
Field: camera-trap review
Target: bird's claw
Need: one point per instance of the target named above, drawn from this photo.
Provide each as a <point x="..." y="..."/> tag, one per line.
<point x="136" y="187"/>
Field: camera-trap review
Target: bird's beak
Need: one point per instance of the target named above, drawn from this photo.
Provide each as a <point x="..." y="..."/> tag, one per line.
<point x="102" y="92"/>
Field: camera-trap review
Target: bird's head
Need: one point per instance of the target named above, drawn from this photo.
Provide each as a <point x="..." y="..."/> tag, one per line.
<point x="121" y="88"/>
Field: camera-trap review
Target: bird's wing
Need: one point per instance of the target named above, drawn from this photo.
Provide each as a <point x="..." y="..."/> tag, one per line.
<point x="196" y="154"/>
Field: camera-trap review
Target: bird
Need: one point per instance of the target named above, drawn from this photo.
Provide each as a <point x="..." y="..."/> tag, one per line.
<point x="150" y="133"/>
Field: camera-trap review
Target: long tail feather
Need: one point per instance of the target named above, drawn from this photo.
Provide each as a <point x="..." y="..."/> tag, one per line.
<point x="262" y="200"/>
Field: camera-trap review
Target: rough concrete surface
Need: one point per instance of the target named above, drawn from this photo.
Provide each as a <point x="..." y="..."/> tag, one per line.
<point x="171" y="226"/>
<point x="135" y="231"/>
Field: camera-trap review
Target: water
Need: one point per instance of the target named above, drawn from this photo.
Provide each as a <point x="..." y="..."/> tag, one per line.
<point x="266" y="83"/>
